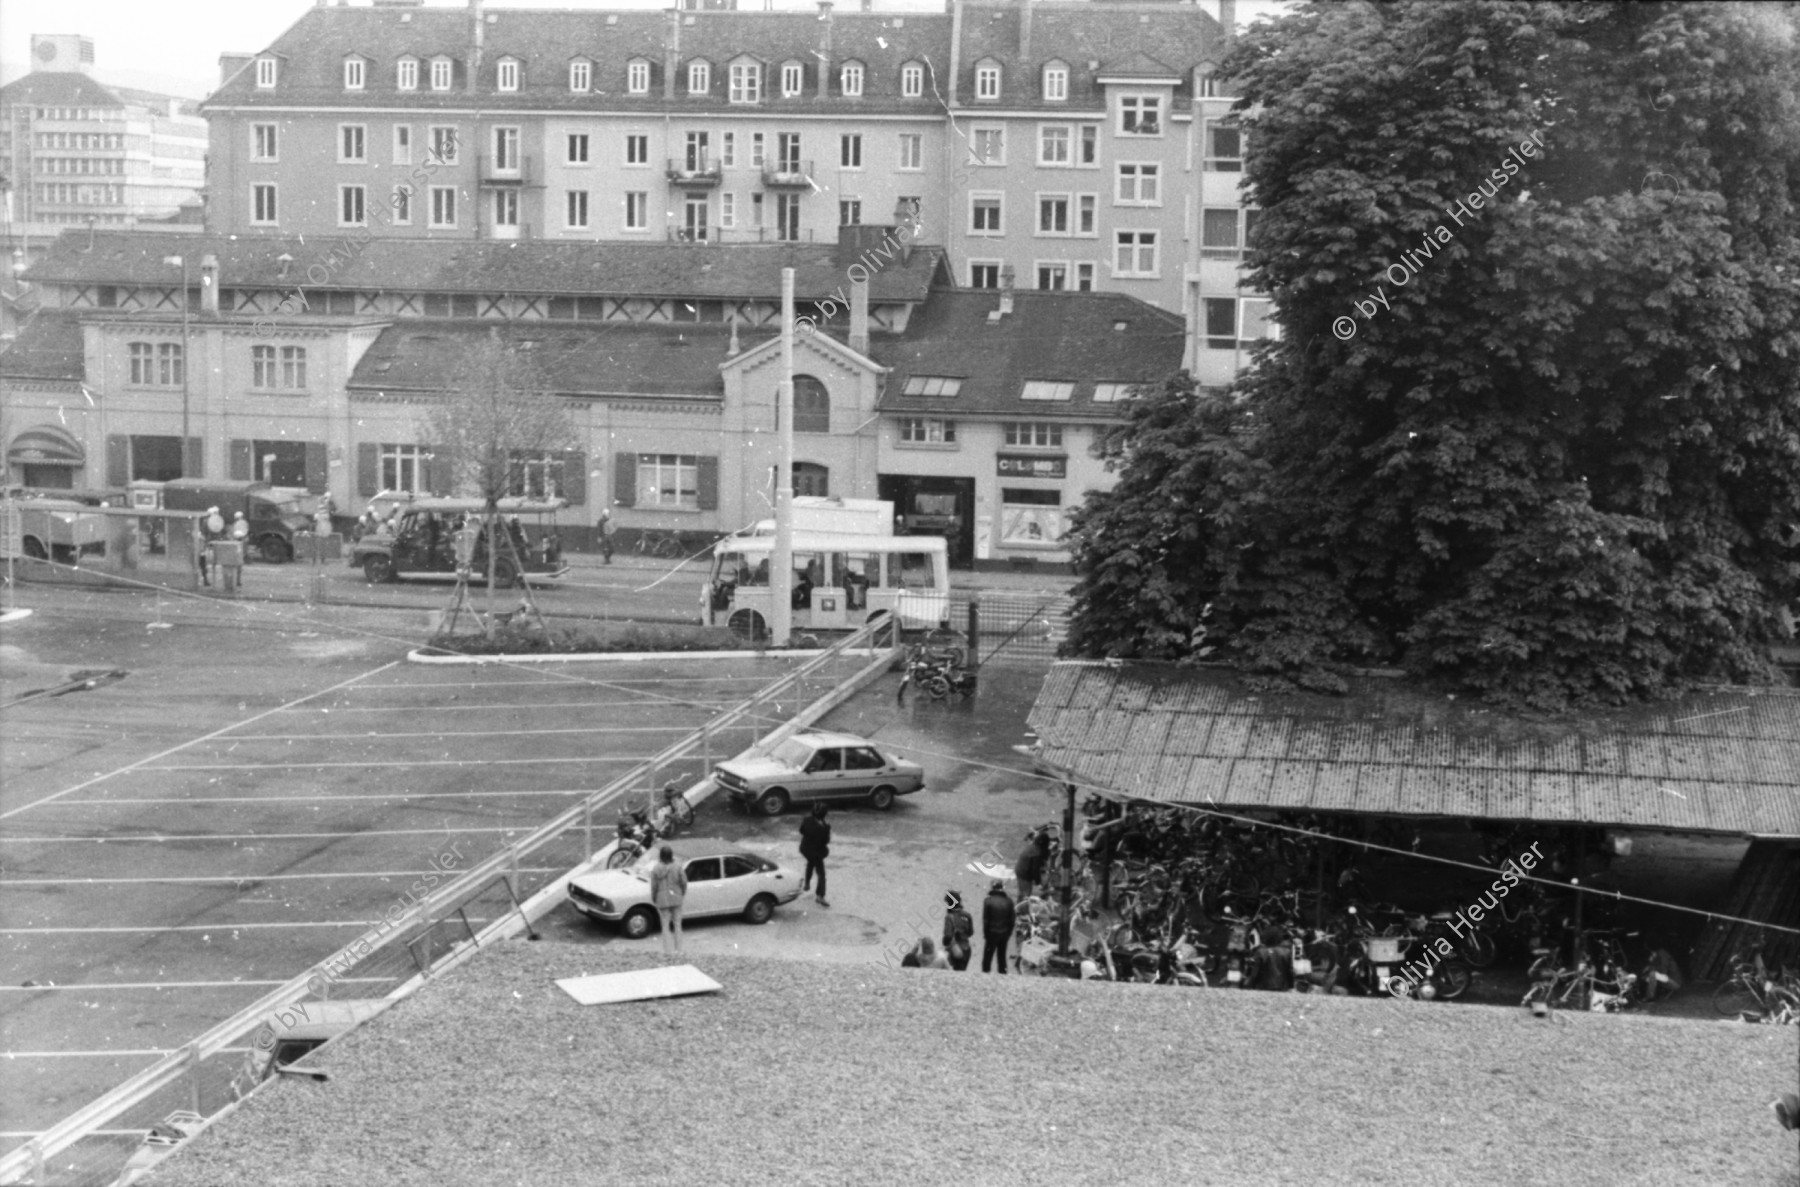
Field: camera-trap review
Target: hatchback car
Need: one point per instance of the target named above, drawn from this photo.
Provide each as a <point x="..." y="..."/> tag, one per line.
<point x="819" y="766"/>
<point x="722" y="880"/>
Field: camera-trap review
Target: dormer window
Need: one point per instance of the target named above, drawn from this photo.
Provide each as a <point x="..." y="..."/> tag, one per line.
<point x="637" y="76"/>
<point x="442" y="71"/>
<point x="793" y="79"/>
<point x="851" y="80"/>
<point x="746" y="82"/>
<point x="699" y="77"/>
<point x="912" y="80"/>
<point x="265" y="72"/>
<point x="987" y="81"/>
<point x="1056" y="82"/>
<point x="1140" y="115"/>
<point x="581" y="75"/>
<point x="506" y="74"/>
<point x="353" y="74"/>
<point x="407" y="74"/>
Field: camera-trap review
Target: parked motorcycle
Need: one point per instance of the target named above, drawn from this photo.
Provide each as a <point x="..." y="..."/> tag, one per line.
<point x="636" y="835"/>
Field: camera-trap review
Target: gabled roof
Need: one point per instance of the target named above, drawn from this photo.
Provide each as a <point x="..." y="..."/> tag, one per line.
<point x="1722" y="761"/>
<point x="1137" y="65"/>
<point x="1083" y="338"/>
<point x="702" y="271"/>
<point x="1092" y="38"/>
<point x="49" y="347"/>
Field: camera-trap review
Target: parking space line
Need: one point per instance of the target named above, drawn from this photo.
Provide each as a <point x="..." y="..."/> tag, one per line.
<point x="646" y="702"/>
<point x="419" y="762"/>
<point x="378" y="736"/>
<point x="280" y="799"/>
<point x="364" y="924"/>
<point x="160" y="838"/>
<point x="131" y="985"/>
<point x="611" y="683"/>
<point x="236" y="879"/>
<point x="158" y="1052"/>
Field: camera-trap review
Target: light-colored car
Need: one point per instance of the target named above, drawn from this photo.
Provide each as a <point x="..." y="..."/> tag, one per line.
<point x="722" y="880"/>
<point x="819" y="766"/>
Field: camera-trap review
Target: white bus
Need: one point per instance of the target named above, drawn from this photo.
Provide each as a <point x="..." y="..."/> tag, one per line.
<point x="841" y="580"/>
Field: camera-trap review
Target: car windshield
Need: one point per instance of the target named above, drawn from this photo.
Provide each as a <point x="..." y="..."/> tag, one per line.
<point x="793" y="753"/>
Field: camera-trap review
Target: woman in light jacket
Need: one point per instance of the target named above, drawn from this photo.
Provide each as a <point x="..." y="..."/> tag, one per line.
<point x="668" y="887"/>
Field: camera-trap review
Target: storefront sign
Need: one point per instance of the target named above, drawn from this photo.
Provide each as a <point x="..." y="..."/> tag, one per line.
<point x="1014" y="465"/>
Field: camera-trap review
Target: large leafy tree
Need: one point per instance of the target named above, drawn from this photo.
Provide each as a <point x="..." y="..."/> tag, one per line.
<point x="1554" y="452"/>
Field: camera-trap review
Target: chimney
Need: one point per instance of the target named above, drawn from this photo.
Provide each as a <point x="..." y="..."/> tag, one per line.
<point x="671" y="52"/>
<point x="1025" y="32"/>
<point x="475" y="50"/>
<point x="859" y="316"/>
<point x="1228" y="17"/>
<point x="956" y="29"/>
<point x="209" y="283"/>
<point x="1006" y="290"/>
<point x="824" y="49"/>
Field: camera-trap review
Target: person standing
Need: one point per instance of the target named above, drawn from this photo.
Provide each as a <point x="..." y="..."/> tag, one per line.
<point x="668" y="889"/>
<point x="959" y="929"/>
<point x="607" y="528"/>
<point x="1030" y="866"/>
<point x="997" y="919"/>
<point x="815" y="847"/>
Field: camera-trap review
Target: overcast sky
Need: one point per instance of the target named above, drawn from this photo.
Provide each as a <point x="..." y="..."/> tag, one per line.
<point x="174" y="45"/>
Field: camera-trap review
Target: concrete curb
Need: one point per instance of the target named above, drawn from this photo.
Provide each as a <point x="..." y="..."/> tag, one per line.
<point x="626" y="657"/>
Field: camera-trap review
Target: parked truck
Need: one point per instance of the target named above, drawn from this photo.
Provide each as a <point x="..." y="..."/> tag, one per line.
<point x="274" y="518"/>
<point x="62" y="528"/>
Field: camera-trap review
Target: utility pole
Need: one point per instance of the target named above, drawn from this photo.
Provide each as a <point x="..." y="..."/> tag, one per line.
<point x="781" y="569"/>
<point x="186" y="351"/>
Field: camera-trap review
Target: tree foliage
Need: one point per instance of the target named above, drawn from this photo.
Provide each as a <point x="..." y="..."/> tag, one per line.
<point x="499" y="410"/>
<point x="1558" y="458"/>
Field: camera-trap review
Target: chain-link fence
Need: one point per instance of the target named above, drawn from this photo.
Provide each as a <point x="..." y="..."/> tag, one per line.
<point x="1011" y="629"/>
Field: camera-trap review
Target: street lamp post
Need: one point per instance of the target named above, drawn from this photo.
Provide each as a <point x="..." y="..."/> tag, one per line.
<point x="185" y="351"/>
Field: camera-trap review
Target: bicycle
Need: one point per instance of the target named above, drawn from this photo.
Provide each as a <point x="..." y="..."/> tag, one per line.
<point x="1752" y="989"/>
<point x="659" y="542"/>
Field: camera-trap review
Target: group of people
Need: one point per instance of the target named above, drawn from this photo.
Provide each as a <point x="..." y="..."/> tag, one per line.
<point x="998" y="916"/>
<point x="213" y="530"/>
<point x="668" y="881"/>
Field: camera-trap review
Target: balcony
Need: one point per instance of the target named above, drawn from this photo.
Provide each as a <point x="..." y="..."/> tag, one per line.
<point x="519" y="174"/>
<point x="788" y="175"/>
<point x="695" y="172"/>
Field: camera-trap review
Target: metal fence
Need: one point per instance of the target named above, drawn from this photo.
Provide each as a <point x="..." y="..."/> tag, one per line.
<point x="496" y="899"/>
<point x="1011" y="629"/>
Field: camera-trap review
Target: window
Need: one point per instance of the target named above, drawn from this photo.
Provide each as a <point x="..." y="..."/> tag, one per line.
<point x="1085" y="207"/>
<point x="352" y="146"/>
<point x="787" y="217"/>
<point x="756" y="209"/>
<point x="1112" y="393"/>
<point x="535" y="475"/>
<point x="1034" y="434"/>
<point x="703" y="869"/>
<point x="987" y="81"/>
<point x="351" y="212"/>
<point x="578" y="148"/>
<point x="402" y="144"/>
<point x="912" y="150"/>
<point x="262" y="203"/>
<point x="1233" y="323"/>
<point x="849" y="212"/>
<point x="442" y="71"/>
<point x="269" y="374"/>
<point x="577" y="209"/>
<point x="353" y="74"/>
<point x="264" y="143"/>
<point x="746" y="82"/>
<point x="637" y="77"/>
<point x="988" y="146"/>
<point x="581" y="75"/>
<point x="850" y="150"/>
<point x="443" y="144"/>
<point x="1136" y="186"/>
<point x="793" y="79"/>
<point x="812" y="405"/>
<point x="787" y="151"/>
<point x="143" y="362"/>
<point x="1140" y="115"/>
<point x="728" y="210"/>
<point x="699" y="77"/>
<point x="1053" y="277"/>
<point x="443" y="206"/>
<point x="265" y="72"/>
<point x="1135" y="253"/>
<point x="698" y="151"/>
<point x="1219" y="234"/>
<point x="1056" y="82"/>
<point x="984" y="214"/>
<point x="506" y="208"/>
<point x="695" y="213"/>
<point x="1053" y="144"/>
<point x="156" y="365"/>
<point x="925" y="430"/>
<point x="850" y="80"/>
<point x="403" y="468"/>
<point x="506" y="150"/>
<point x="756" y="150"/>
<point x="1088" y="155"/>
<point x="912" y="80"/>
<point x="1053" y="215"/>
<point x="1084" y="278"/>
<point x="728" y="150"/>
<point x="668" y="480"/>
<point x="1030" y="516"/>
<point x="402" y="205"/>
<point x="737" y="865"/>
<point x="506" y="74"/>
<point x="984" y="274"/>
<point x="1224" y="149"/>
<point x="637" y="150"/>
<point x="1043" y="389"/>
<point x="931" y="385"/>
<point x="637" y="211"/>
<point x="406" y="74"/>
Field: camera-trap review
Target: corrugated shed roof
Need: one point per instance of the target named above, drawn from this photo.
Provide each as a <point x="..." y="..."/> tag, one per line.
<point x="1725" y="761"/>
<point x="1079" y="338"/>
<point x="742" y="271"/>
<point x="49" y="347"/>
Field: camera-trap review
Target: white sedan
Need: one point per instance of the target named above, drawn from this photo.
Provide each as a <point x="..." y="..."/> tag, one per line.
<point x="722" y="880"/>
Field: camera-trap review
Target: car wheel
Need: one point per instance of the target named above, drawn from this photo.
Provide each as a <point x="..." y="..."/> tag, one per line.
<point x="761" y="909"/>
<point x="34" y="549"/>
<point x="506" y="576"/>
<point x="748" y="624"/>
<point x="637" y="924"/>
<point x="773" y="802"/>
<point x="378" y="569"/>
<point x="882" y="798"/>
<point x="275" y="550"/>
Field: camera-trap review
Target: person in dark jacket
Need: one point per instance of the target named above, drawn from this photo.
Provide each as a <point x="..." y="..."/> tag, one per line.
<point x="959" y="930"/>
<point x="815" y="846"/>
<point x="1029" y="869"/>
<point x="997" y="920"/>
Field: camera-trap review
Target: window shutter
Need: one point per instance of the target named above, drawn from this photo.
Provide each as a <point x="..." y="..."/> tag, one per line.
<point x="118" y="460"/>
<point x="440" y="471"/>
<point x="243" y="462"/>
<point x="625" y="479"/>
<point x="707" y="482"/>
<point x="574" y="478"/>
<point x="368" y="468"/>
<point x="318" y="468"/>
<point x="193" y="463"/>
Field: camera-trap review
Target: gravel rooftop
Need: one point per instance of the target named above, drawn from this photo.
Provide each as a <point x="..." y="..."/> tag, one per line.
<point x="831" y="1074"/>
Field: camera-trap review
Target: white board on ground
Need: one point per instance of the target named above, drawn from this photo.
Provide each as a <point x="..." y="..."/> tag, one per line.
<point x="609" y="988"/>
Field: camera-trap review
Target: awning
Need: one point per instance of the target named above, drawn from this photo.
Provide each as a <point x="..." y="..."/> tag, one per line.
<point x="46" y="445"/>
